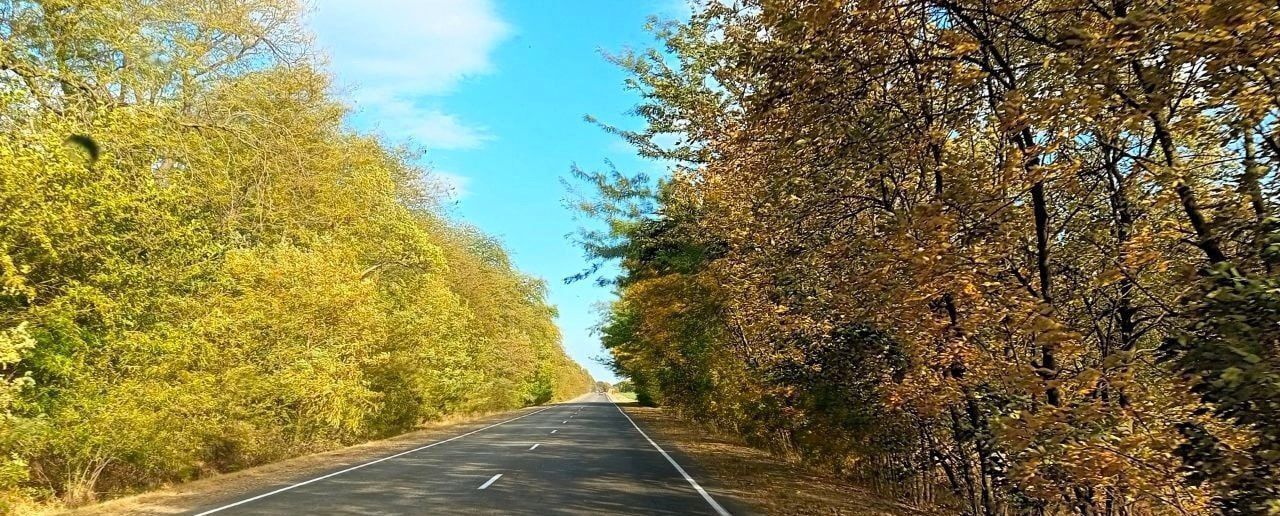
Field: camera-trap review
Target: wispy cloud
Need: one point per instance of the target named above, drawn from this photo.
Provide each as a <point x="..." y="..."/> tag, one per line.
<point x="400" y="57"/>
<point x="449" y="185"/>
<point x="400" y="118"/>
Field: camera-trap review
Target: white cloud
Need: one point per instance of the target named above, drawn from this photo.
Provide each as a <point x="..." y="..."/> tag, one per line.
<point x="451" y="185"/>
<point x="398" y="119"/>
<point x="400" y="54"/>
<point x="441" y="130"/>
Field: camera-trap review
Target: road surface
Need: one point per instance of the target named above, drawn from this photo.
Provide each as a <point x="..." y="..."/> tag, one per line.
<point x="583" y="457"/>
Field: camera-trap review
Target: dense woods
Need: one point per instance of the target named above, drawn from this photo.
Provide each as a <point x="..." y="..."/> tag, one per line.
<point x="201" y="269"/>
<point x="1001" y="256"/>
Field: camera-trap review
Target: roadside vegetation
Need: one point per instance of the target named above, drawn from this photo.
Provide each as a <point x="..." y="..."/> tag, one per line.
<point x="1001" y="257"/>
<point x="201" y="269"/>
<point x="623" y="391"/>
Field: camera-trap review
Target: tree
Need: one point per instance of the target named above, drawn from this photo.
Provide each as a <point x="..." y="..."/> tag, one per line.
<point x="202" y="269"/>
<point x="947" y="240"/>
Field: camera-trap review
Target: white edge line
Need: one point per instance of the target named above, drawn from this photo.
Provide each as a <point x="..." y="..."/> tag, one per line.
<point x="358" y="466"/>
<point x="490" y="482"/>
<point x="705" y="496"/>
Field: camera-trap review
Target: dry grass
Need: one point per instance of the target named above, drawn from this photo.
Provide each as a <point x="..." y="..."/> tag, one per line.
<point x="770" y="484"/>
<point x="230" y="487"/>
<point x="623" y="397"/>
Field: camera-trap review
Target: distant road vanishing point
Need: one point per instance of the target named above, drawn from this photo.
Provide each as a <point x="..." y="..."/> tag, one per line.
<point x="581" y="457"/>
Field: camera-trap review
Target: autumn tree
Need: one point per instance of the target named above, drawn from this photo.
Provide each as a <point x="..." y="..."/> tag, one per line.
<point x="202" y="268"/>
<point x="1011" y="257"/>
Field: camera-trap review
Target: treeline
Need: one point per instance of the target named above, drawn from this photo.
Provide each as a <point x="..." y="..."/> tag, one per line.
<point x="201" y="269"/>
<point x="1003" y="256"/>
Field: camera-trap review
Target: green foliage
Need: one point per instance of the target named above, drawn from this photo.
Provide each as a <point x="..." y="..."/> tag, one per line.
<point x="201" y="269"/>
<point x="1230" y="354"/>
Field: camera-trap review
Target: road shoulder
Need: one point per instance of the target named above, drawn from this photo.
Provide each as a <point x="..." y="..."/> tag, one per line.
<point x="753" y="477"/>
<point x="230" y="487"/>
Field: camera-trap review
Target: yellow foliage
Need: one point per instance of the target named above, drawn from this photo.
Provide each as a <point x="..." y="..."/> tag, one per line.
<point x="235" y="277"/>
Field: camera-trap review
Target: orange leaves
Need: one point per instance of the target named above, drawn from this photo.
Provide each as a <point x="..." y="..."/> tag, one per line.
<point x="1000" y="190"/>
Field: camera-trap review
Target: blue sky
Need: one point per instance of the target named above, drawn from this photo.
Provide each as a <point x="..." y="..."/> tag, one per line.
<point x="496" y="93"/>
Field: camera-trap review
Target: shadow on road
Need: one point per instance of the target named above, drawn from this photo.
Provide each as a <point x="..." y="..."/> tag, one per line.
<point x="594" y="463"/>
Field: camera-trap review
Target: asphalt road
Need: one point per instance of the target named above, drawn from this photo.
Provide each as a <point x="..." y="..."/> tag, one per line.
<point x="584" y="457"/>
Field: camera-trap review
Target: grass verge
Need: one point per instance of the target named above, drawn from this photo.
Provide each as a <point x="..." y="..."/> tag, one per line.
<point x="623" y="397"/>
<point x="770" y="484"/>
<point x="233" y="486"/>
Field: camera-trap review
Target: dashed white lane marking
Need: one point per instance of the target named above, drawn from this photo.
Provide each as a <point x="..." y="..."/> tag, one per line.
<point x="358" y="466"/>
<point x="535" y="446"/>
<point x="705" y="496"/>
<point x="554" y="431"/>
<point x="490" y="482"/>
<point x="564" y="422"/>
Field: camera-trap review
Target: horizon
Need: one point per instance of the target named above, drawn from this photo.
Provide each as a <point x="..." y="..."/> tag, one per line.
<point x="496" y="93"/>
